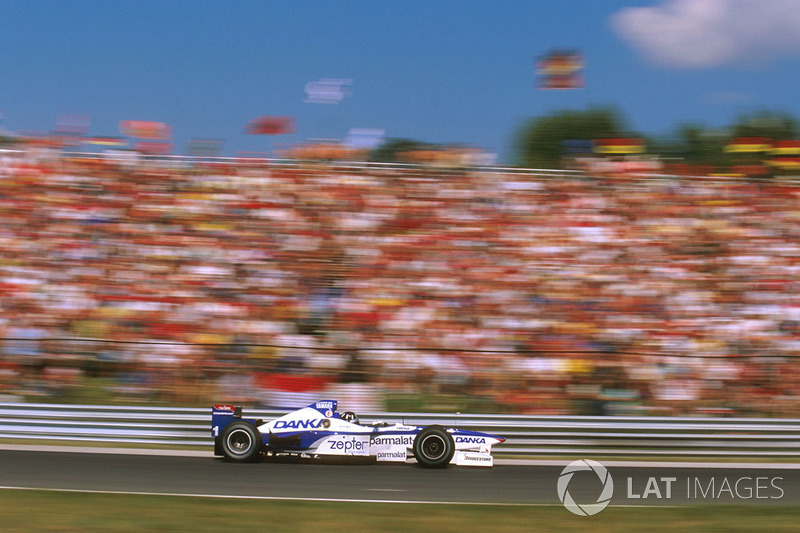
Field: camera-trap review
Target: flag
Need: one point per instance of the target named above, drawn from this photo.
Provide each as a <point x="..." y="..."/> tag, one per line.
<point x="560" y="69"/>
<point x="270" y="126"/>
<point x="619" y="146"/>
<point x="327" y="91"/>
<point x="785" y="162"/>
<point x="106" y="141"/>
<point x="140" y="129"/>
<point x="785" y="155"/>
<point x="786" y="148"/>
<point x="744" y="145"/>
<point x="364" y="138"/>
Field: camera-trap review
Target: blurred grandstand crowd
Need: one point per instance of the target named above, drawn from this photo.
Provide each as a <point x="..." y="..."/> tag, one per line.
<point x="528" y="293"/>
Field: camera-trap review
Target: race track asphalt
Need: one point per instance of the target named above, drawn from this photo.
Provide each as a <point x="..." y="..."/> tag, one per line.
<point x="518" y="484"/>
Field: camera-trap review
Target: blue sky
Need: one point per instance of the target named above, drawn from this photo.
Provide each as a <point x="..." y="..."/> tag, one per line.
<point x="436" y="71"/>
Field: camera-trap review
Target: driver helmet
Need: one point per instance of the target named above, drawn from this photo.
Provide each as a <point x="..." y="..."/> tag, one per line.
<point x="349" y="416"/>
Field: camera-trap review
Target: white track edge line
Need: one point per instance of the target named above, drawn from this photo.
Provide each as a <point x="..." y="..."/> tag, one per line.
<point x="302" y="499"/>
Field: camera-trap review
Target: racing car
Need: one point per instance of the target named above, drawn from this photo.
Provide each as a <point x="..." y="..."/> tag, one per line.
<point x="319" y="430"/>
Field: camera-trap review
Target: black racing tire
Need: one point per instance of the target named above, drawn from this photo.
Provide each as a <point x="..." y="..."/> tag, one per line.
<point x="434" y="447"/>
<point x="240" y="442"/>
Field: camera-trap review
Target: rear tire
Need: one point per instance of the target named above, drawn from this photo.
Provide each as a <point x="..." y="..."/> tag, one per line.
<point x="434" y="447"/>
<point x="240" y="442"/>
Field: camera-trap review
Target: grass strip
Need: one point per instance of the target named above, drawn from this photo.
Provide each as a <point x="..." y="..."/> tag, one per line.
<point x="32" y="511"/>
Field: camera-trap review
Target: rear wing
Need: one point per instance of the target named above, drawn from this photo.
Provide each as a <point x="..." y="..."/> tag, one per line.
<point x="221" y="416"/>
<point x="224" y="414"/>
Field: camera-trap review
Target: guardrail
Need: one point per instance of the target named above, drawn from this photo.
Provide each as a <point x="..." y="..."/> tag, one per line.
<point x="528" y="436"/>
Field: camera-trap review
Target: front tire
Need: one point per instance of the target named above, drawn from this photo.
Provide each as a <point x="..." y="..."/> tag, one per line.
<point x="434" y="447"/>
<point x="240" y="442"/>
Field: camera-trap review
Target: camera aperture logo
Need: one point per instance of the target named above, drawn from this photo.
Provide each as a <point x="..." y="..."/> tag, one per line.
<point x="585" y="509"/>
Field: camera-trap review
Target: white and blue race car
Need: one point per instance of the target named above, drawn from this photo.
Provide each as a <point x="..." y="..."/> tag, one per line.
<point x="319" y="431"/>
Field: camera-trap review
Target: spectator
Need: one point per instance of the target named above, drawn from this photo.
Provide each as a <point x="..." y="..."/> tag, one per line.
<point x="541" y="294"/>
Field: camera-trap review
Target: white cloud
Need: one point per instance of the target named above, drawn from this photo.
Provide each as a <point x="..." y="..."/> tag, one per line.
<point x="708" y="33"/>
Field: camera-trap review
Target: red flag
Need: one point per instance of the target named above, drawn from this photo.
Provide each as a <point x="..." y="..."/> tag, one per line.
<point x="270" y="125"/>
<point x="141" y="129"/>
